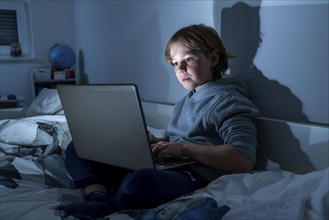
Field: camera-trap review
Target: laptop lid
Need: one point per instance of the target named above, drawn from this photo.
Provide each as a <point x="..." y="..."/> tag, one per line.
<point x="107" y="124"/>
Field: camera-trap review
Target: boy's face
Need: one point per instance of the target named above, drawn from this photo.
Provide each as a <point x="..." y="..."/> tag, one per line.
<point x="193" y="68"/>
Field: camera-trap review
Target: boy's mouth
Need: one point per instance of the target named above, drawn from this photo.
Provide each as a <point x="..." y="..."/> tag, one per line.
<point x="185" y="79"/>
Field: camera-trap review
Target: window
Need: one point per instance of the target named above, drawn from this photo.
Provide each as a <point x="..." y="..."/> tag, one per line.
<point x="15" y="27"/>
<point x="8" y="27"/>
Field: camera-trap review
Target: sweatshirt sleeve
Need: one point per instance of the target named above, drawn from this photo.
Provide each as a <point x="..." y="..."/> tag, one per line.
<point x="235" y="121"/>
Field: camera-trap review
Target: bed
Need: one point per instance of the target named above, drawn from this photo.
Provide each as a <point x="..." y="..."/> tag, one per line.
<point x="290" y="180"/>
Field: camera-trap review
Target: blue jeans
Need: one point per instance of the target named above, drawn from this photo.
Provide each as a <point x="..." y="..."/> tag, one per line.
<point x="144" y="188"/>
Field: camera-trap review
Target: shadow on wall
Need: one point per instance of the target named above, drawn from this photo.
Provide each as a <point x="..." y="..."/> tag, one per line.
<point x="83" y="75"/>
<point x="240" y="32"/>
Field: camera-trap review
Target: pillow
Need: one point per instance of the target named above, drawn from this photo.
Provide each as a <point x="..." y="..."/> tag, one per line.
<point x="46" y="103"/>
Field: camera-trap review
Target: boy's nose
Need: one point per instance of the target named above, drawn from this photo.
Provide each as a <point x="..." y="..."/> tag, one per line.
<point x="181" y="67"/>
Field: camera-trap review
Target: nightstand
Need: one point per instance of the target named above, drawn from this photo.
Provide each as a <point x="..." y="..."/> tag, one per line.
<point x="12" y="113"/>
<point x="10" y="107"/>
<point x="44" y="78"/>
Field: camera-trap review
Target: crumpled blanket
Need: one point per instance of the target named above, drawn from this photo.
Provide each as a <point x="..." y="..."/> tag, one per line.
<point x="185" y="209"/>
<point x="34" y="149"/>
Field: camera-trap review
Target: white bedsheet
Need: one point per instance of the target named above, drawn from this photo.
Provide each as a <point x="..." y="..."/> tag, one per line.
<point x="238" y="190"/>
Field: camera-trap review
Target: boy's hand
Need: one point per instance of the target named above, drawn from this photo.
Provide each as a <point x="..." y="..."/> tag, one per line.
<point x="152" y="138"/>
<point x="164" y="148"/>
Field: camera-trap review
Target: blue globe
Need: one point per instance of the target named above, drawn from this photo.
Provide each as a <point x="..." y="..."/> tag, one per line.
<point x="62" y="57"/>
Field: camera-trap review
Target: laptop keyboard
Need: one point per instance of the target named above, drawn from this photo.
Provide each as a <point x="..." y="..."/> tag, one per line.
<point x="168" y="161"/>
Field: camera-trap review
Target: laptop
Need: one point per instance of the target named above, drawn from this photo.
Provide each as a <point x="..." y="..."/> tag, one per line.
<point x="107" y="125"/>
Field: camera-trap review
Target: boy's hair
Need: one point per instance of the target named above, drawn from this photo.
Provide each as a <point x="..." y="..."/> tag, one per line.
<point x="200" y="37"/>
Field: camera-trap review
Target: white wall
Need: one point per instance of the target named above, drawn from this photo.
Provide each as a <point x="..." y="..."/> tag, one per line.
<point x="124" y="41"/>
<point x="288" y="69"/>
<point x="51" y="22"/>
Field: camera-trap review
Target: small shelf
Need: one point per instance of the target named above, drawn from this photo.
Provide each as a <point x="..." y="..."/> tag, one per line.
<point x="55" y="81"/>
<point x="50" y="83"/>
<point x="10" y="59"/>
<point x="10" y="104"/>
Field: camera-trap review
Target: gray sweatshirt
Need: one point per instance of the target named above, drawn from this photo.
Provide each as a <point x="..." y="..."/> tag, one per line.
<point x="218" y="113"/>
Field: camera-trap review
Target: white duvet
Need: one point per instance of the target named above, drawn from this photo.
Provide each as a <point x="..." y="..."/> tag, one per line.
<point x="267" y="186"/>
<point x="23" y="132"/>
<point x="34" y="181"/>
<point x="236" y="190"/>
<point x="267" y="192"/>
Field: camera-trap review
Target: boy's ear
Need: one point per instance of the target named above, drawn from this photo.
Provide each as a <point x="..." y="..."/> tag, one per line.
<point x="214" y="57"/>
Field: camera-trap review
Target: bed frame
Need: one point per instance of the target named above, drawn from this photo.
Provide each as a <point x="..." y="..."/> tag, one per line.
<point x="296" y="147"/>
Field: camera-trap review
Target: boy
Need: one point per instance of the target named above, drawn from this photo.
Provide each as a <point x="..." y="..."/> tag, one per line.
<point x="213" y="124"/>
